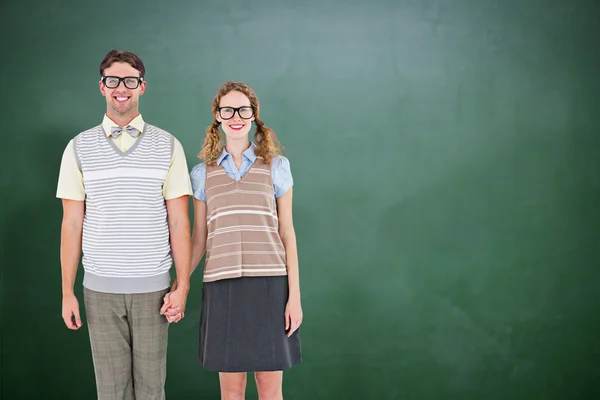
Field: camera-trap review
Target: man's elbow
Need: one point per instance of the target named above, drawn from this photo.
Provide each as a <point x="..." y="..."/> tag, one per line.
<point x="179" y="223"/>
<point x="71" y="230"/>
<point x="72" y="223"/>
<point x="177" y="213"/>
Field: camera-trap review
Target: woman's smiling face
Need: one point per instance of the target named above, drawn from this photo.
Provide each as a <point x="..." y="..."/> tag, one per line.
<point x="235" y="113"/>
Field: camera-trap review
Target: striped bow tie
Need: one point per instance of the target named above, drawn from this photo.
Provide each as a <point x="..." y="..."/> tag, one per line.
<point x="117" y="130"/>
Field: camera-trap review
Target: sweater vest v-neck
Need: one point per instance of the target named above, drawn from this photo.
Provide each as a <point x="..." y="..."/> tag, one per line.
<point x="243" y="227"/>
<point x="125" y="240"/>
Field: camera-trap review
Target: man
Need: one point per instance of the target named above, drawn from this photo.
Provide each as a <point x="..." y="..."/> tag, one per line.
<point x="125" y="186"/>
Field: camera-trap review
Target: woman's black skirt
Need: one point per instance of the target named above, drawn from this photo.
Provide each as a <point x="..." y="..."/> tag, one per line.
<point x="242" y="326"/>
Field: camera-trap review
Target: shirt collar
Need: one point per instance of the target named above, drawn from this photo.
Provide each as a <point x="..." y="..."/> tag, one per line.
<point x="137" y="123"/>
<point x="248" y="153"/>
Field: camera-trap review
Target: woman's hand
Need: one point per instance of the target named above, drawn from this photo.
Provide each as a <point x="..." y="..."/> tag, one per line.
<point x="293" y="315"/>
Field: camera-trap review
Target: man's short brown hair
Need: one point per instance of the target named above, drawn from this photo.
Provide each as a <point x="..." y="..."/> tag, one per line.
<point x="122" y="56"/>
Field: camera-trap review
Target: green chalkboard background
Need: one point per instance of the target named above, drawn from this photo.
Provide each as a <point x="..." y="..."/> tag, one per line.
<point x="447" y="184"/>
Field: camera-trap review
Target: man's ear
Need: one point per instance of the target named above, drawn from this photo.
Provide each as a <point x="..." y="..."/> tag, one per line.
<point x="142" y="87"/>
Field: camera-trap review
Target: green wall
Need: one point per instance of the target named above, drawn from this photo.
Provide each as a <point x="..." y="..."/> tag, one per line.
<point x="447" y="184"/>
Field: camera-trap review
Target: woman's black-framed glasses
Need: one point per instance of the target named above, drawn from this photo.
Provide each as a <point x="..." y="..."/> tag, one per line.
<point x="131" y="82"/>
<point x="244" y="112"/>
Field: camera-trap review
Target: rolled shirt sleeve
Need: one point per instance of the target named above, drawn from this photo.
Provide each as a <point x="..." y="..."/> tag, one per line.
<point x="177" y="182"/>
<point x="70" y="179"/>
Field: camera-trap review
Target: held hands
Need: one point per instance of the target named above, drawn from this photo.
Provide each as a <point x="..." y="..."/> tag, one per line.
<point x="70" y="312"/>
<point x="293" y="315"/>
<point x="174" y="304"/>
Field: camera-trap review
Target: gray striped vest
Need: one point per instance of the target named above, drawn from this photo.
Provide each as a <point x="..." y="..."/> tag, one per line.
<point x="243" y="228"/>
<point x="125" y="244"/>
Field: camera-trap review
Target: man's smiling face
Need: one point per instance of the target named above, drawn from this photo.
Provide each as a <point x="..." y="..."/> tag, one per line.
<point x="122" y="100"/>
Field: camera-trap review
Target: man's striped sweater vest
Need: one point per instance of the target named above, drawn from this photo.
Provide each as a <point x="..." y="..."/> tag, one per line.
<point x="243" y="229"/>
<point x="126" y="246"/>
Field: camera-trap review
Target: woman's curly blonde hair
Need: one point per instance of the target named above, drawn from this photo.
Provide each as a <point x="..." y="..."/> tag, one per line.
<point x="267" y="145"/>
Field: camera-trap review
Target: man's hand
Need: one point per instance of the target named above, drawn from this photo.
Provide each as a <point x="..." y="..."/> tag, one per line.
<point x="171" y="313"/>
<point x="293" y="315"/>
<point x="174" y="303"/>
<point x="70" y="312"/>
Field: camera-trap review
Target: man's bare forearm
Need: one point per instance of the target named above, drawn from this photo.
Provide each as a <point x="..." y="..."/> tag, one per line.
<point x="179" y="227"/>
<point x="180" y="245"/>
<point x="70" y="251"/>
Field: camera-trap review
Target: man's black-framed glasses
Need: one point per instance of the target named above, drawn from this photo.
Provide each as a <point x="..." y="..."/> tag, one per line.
<point x="131" y="82"/>
<point x="244" y="112"/>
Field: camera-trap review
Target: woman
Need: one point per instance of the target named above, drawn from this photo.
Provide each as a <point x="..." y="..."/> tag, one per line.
<point x="251" y="307"/>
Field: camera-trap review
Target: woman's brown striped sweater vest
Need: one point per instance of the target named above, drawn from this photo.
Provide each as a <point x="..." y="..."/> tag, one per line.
<point x="243" y="229"/>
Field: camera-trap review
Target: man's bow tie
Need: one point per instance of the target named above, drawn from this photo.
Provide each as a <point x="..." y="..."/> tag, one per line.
<point x="117" y="130"/>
